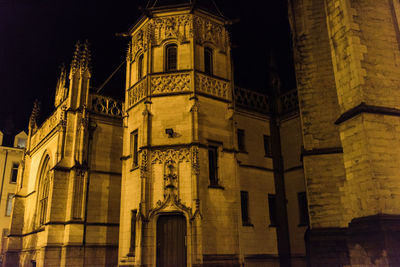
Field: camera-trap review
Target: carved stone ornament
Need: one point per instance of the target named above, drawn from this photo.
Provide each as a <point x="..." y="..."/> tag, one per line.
<point x="176" y="27"/>
<point x="137" y="92"/>
<point x="170" y="83"/>
<point x="195" y="160"/>
<point x="139" y="41"/>
<point x="61" y="89"/>
<point x="177" y="155"/>
<point x="143" y="163"/>
<point x="208" y="31"/>
<point x="212" y="86"/>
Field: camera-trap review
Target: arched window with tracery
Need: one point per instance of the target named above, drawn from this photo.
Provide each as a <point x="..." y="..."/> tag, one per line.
<point x="171" y="54"/>
<point x="43" y="191"/>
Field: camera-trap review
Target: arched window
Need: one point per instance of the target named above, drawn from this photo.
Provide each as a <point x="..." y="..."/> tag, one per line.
<point x="171" y="52"/>
<point x="43" y="191"/>
<point x="140" y="67"/>
<point x="208" y="60"/>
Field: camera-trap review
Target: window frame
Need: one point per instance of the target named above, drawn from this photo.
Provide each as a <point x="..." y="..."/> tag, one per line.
<point x="245" y="208"/>
<point x="304" y="218"/>
<point x="272" y="207"/>
<point x="208" y="54"/>
<point x="134" y="146"/>
<point x="43" y="192"/>
<point x="168" y="63"/>
<point x="213" y="164"/>
<point x="9" y="203"/>
<point x="132" y="244"/>
<point x="241" y="140"/>
<point x="140" y="66"/>
<point x="14" y="170"/>
<point x="267" y="146"/>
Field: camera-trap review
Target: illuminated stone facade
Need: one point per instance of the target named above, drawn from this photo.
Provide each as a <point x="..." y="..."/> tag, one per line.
<point x="66" y="207"/>
<point x="10" y="161"/>
<point x="346" y="55"/>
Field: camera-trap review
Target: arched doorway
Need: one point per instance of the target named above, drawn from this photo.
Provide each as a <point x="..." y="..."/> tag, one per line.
<point x="171" y="241"/>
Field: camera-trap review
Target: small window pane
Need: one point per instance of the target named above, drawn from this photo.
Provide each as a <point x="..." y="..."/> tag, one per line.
<point x="133" y="232"/>
<point x="212" y="165"/>
<point x="9" y="204"/>
<point x="21" y="142"/>
<point x="14" y="173"/>
<point x="244" y="199"/>
<point x="267" y="146"/>
<point x="134" y="148"/>
<point x="171" y="57"/>
<point x="140" y="67"/>
<point x="208" y="60"/>
<point x="240" y="136"/>
<point x="303" y="208"/>
<point x="272" y="210"/>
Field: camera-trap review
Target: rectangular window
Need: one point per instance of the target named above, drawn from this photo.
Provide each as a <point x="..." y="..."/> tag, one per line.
<point x="303" y="208"/>
<point x="244" y="199"/>
<point x="208" y="60"/>
<point x="213" y="165"/>
<point x="9" y="204"/>
<point x="134" y="148"/>
<point x="267" y="146"/>
<point x="272" y="210"/>
<point x="21" y="143"/>
<point x="240" y="138"/>
<point x="140" y="67"/>
<point x="14" y="173"/>
<point x="133" y="233"/>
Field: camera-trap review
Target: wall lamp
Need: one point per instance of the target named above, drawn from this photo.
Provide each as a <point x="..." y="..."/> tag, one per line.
<point x="170" y="132"/>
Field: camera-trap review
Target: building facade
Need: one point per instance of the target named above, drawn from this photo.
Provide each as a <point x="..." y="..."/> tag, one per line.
<point x="10" y="160"/>
<point x="66" y="207"/>
<point x="346" y="55"/>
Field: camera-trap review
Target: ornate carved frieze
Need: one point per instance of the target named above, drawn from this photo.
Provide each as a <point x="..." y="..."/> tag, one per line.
<point x="289" y="102"/>
<point x="195" y="160"/>
<point x="212" y="86"/>
<point x="208" y="31"/>
<point x="178" y="27"/>
<point x="47" y="126"/>
<point x="176" y="155"/>
<point x="143" y="163"/>
<point x="137" y="92"/>
<point x="106" y="106"/>
<point x="251" y="100"/>
<point x="170" y="83"/>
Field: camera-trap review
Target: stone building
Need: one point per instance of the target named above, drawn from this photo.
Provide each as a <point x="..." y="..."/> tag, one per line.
<point x="194" y="171"/>
<point x="10" y="160"/>
<point x="66" y="207"/>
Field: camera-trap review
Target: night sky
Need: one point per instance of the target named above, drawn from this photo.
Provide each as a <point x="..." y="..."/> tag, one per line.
<point x="36" y="37"/>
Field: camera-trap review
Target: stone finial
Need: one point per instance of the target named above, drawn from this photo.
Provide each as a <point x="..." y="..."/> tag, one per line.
<point x="60" y="88"/>
<point x="76" y="58"/>
<point x="34" y="115"/>
<point x="86" y="57"/>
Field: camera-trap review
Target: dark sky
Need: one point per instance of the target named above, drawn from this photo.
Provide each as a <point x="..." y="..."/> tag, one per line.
<point x="37" y="36"/>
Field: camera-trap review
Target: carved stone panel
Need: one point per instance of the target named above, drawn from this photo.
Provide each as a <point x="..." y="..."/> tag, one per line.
<point x="170" y="83"/>
<point x="177" y="27"/>
<point x="212" y="86"/>
<point x="208" y="31"/>
<point x="137" y="92"/>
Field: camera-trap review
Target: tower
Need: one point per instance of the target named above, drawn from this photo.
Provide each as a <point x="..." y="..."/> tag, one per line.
<point x="178" y="118"/>
<point x="346" y="55"/>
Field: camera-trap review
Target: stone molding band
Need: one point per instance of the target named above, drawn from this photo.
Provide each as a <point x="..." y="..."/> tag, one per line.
<point x="365" y="108"/>
<point x="321" y="151"/>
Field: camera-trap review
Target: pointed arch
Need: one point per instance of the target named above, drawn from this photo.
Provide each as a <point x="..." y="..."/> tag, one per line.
<point x="43" y="187"/>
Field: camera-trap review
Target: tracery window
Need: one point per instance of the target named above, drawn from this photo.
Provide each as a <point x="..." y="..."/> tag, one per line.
<point x="43" y="191"/>
<point x="171" y="52"/>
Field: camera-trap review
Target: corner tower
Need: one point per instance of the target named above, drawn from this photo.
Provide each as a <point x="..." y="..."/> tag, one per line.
<point x="177" y="138"/>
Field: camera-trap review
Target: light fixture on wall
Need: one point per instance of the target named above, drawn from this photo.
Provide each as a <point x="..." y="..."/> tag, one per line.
<point x="170" y="132"/>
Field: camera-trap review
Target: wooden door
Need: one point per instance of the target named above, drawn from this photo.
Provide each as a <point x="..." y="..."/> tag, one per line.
<point x="171" y="241"/>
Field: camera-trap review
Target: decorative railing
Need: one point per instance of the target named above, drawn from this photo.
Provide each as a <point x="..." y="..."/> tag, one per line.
<point x="106" y="106"/>
<point x="289" y="102"/>
<point x="137" y="92"/>
<point x="213" y="86"/>
<point x="248" y="99"/>
<point x="170" y="83"/>
<point x="46" y="127"/>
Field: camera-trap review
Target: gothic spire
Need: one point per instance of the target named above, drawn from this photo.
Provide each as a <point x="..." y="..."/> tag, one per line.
<point x="86" y="55"/>
<point x="34" y="115"/>
<point x="76" y="58"/>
